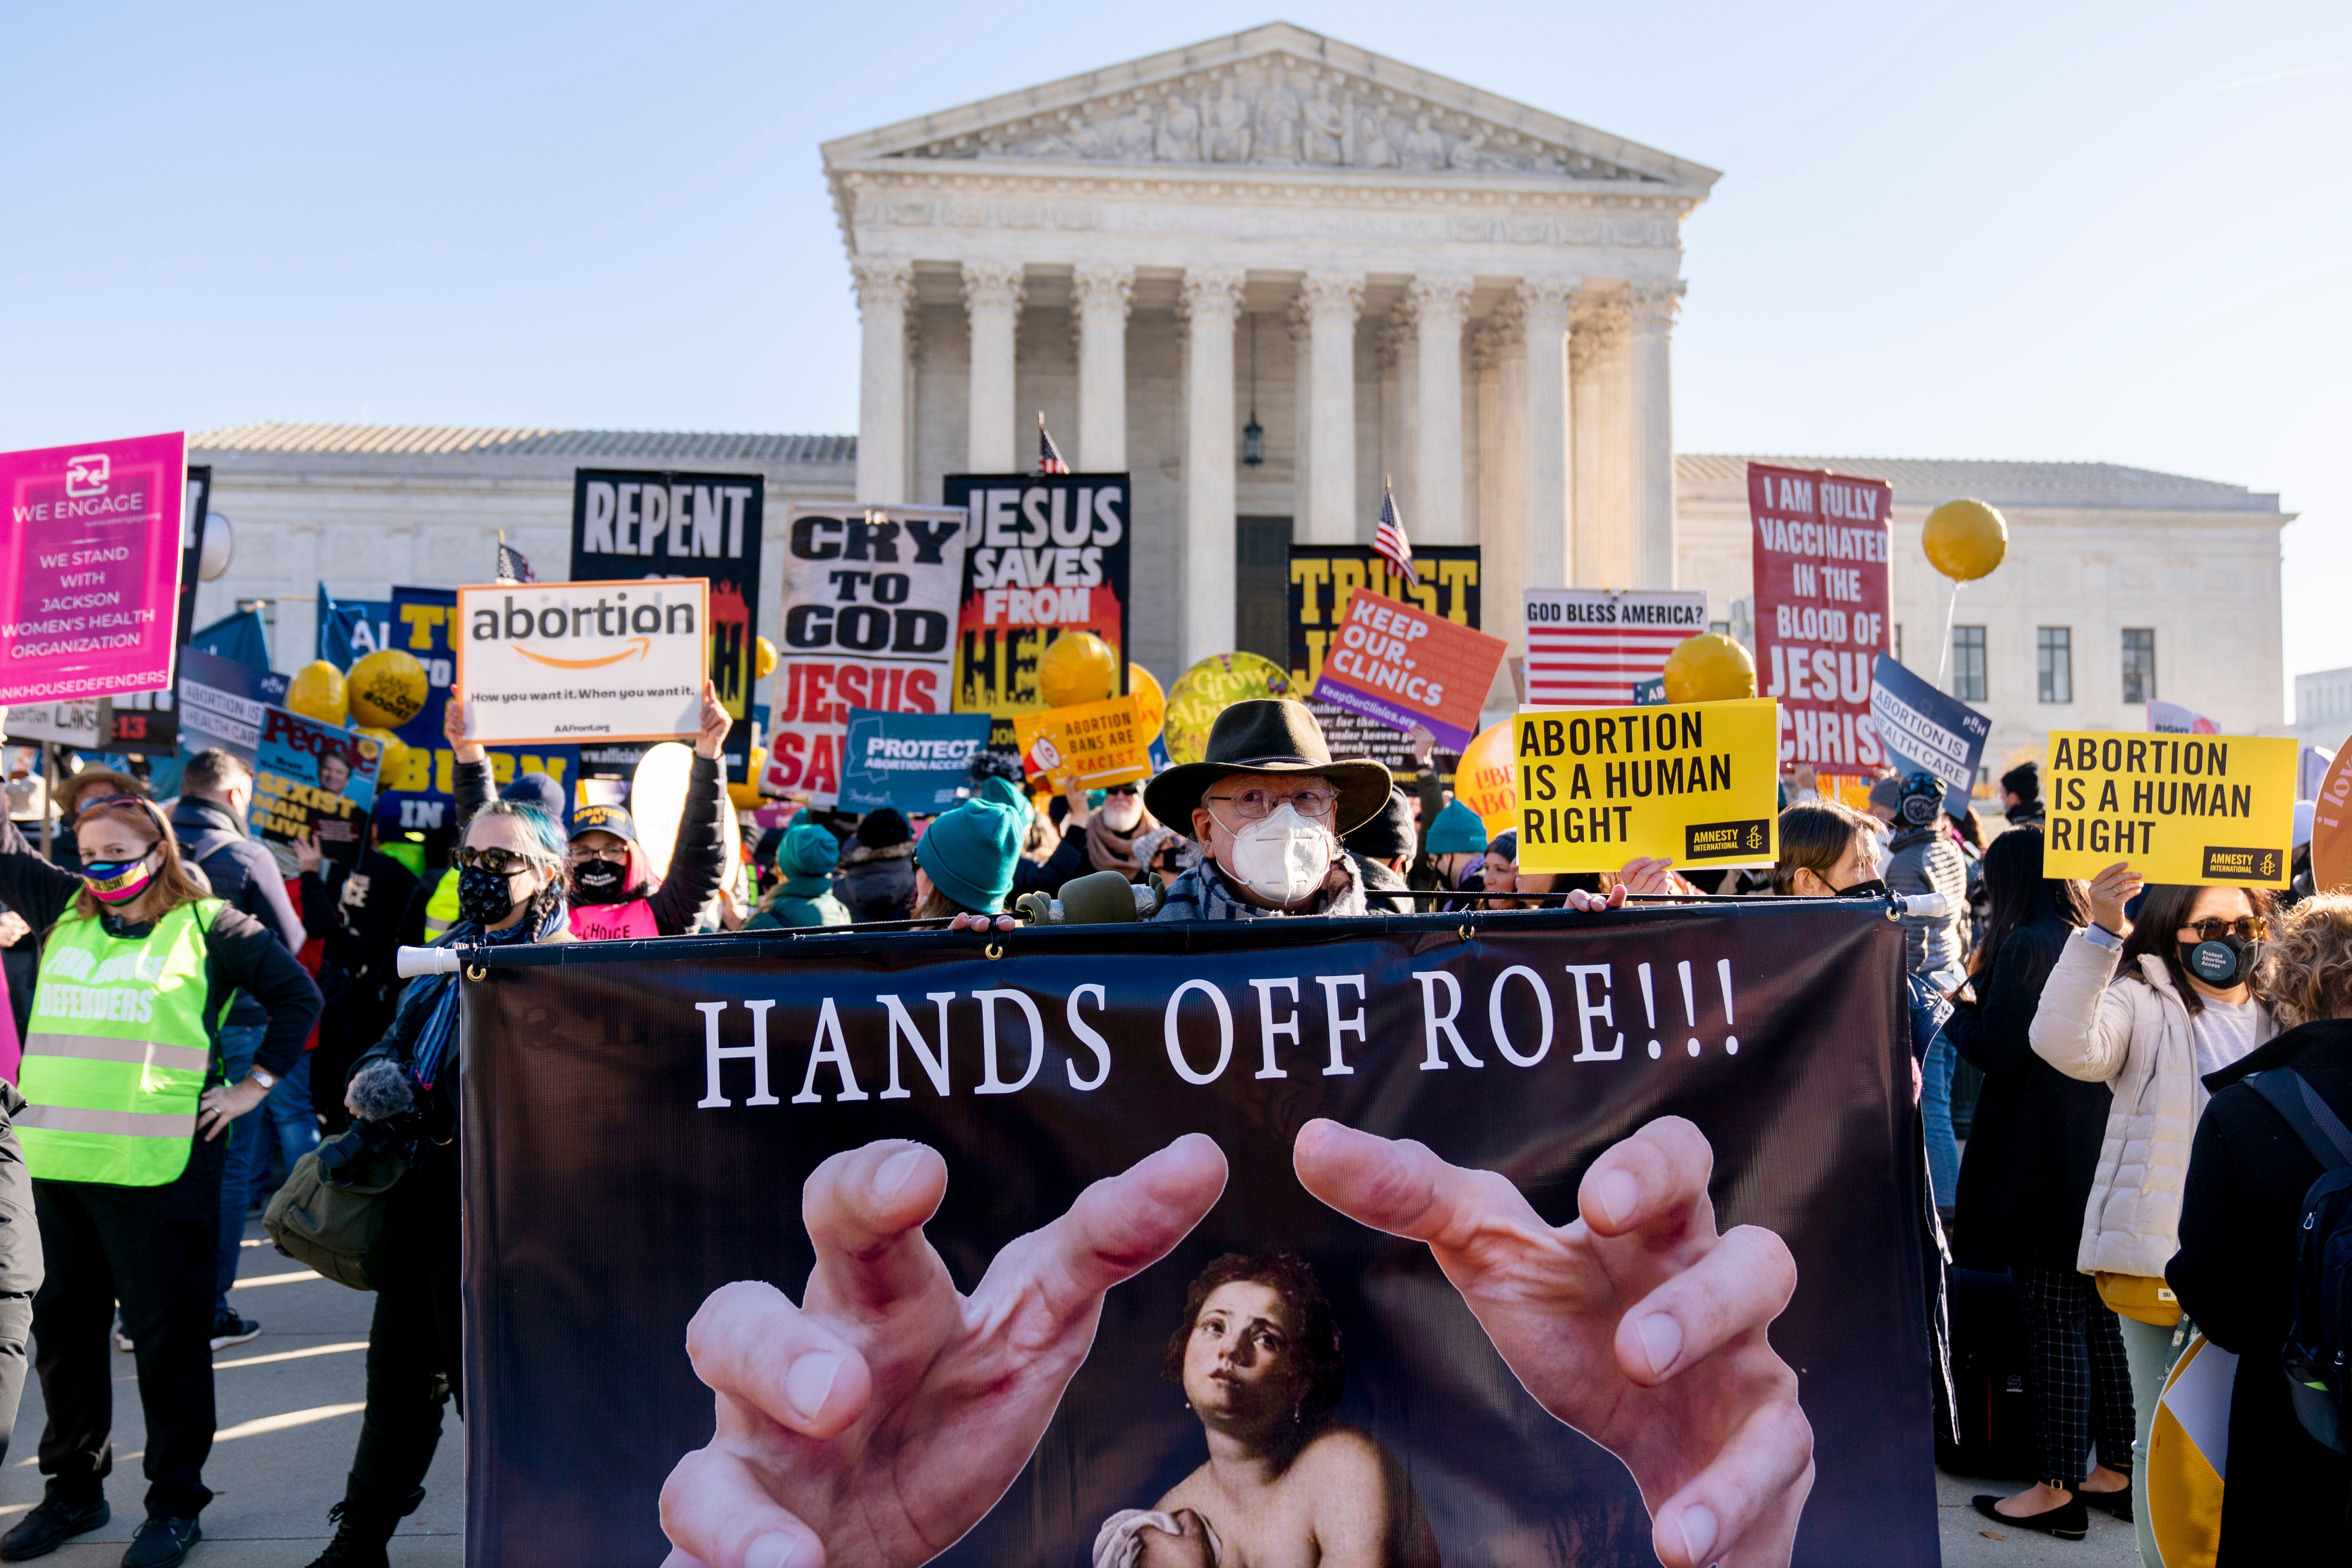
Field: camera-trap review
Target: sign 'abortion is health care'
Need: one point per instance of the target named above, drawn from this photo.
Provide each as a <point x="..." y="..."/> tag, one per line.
<point x="582" y="661"/>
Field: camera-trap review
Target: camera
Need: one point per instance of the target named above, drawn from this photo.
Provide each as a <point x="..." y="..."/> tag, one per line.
<point x="388" y="1124"/>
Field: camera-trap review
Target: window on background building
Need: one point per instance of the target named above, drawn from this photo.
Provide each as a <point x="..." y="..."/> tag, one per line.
<point x="1720" y="628"/>
<point x="1968" y="663"/>
<point x="1899" y="642"/>
<point x="2053" y="663"/>
<point x="1262" y="587"/>
<point x="2139" y="664"/>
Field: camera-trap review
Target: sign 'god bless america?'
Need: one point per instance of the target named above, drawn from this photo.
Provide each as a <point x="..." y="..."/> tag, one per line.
<point x="582" y="661"/>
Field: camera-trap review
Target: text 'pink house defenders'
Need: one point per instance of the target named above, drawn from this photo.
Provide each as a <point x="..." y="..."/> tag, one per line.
<point x="89" y="567"/>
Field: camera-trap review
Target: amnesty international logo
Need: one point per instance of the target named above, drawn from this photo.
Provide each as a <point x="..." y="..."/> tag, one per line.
<point x="2224" y="862"/>
<point x="1719" y="840"/>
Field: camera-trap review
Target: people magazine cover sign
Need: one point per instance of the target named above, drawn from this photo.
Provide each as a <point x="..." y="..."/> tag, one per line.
<point x="1070" y="1244"/>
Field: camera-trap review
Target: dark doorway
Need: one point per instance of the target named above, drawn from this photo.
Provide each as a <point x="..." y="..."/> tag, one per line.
<point x="1262" y="587"/>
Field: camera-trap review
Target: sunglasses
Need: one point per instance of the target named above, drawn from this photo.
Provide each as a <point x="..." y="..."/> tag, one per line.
<point x="496" y="862"/>
<point x="1120" y="789"/>
<point x="2251" y="927"/>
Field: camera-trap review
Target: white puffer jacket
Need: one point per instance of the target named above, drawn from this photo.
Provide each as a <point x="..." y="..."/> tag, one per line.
<point x="2099" y="1028"/>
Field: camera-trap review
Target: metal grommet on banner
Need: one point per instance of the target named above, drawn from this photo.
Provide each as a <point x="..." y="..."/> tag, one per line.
<point x="994" y="949"/>
<point x="476" y="972"/>
<point x="1894" y="911"/>
<point x="1466" y="932"/>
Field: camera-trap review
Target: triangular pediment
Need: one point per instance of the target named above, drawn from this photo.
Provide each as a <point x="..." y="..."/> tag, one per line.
<point x="1276" y="98"/>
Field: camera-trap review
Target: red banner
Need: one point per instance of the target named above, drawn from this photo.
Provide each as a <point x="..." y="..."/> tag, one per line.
<point x="1822" y="542"/>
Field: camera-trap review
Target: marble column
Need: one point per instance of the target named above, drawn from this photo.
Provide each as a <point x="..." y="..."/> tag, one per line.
<point x="1098" y="299"/>
<point x="1602" y="557"/>
<point x="992" y="300"/>
<point x="1210" y="301"/>
<point x="1545" y="412"/>
<point x="1329" y="301"/>
<point x="885" y="294"/>
<point x="1650" y="320"/>
<point x="1400" y="412"/>
<point x="1439" y="303"/>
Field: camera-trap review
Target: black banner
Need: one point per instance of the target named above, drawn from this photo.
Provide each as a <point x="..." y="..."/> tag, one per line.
<point x="629" y="523"/>
<point x="640" y="1119"/>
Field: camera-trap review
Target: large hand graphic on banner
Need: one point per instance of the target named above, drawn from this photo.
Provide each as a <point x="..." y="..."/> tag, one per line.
<point x="880" y="1419"/>
<point x="874" y="1424"/>
<point x="1636" y="1323"/>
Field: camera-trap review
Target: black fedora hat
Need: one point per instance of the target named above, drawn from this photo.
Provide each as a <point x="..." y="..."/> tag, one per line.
<point x="1269" y="735"/>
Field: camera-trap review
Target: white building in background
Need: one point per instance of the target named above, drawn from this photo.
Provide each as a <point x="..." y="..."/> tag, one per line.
<point x="1277" y="245"/>
<point x="2323" y="708"/>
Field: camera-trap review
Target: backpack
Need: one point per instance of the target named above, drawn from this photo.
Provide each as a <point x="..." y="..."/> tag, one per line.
<point x="2318" y="1372"/>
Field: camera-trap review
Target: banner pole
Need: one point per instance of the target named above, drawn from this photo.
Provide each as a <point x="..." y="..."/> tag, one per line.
<point x="1943" y="655"/>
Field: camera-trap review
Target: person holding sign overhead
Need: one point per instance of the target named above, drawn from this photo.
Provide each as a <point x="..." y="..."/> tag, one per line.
<point x="611" y="888"/>
<point x="2149" y="1007"/>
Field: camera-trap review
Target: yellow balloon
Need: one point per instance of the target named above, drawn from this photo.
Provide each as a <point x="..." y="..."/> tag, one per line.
<point x="1078" y="666"/>
<point x="388" y="688"/>
<point x="1965" y="539"/>
<point x="317" y="691"/>
<point x="764" y="662"/>
<point x="1709" y="668"/>
<point x="1151" y="703"/>
<point x="393" y="760"/>
<point x="1485" y="780"/>
<point x="747" y="794"/>
<point x="1207" y="690"/>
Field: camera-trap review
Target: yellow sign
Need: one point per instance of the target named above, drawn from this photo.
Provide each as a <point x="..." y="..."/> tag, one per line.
<point x="2180" y="808"/>
<point x="1698" y="782"/>
<point x="1096" y="743"/>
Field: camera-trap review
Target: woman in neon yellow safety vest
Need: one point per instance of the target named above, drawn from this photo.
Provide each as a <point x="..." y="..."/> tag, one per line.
<point x="122" y="1139"/>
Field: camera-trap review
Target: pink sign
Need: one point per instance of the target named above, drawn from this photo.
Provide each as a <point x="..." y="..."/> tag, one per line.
<point x="89" y="567"/>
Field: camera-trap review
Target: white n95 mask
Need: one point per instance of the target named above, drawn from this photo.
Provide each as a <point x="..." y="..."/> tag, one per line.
<point x="1282" y="856"/>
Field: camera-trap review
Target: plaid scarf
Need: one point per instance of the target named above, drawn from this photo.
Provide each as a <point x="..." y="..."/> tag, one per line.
<point x="1202" y="893"/>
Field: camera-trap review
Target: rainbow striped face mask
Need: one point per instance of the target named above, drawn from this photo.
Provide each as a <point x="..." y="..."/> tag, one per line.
<point x="117" y="883"/>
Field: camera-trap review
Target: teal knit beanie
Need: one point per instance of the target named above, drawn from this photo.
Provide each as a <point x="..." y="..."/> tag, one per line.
<point x="1456" y="831"/>
<point x="1001" y="791"/>
<point x="807" y="851"/>
<point x="968" y="853"/>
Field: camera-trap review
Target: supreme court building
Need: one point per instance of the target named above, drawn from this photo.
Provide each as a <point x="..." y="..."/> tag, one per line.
<point x="1261" y="274"/>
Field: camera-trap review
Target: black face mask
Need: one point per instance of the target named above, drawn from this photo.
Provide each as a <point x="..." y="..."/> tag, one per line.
<point x="2221" y="963"/>
<point x="1873" y="889"/>
<point x="484" y="897"/>
<point x="600" y="882"/>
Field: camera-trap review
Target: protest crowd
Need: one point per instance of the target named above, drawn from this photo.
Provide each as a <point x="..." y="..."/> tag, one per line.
<point x="2127" y="1095"/>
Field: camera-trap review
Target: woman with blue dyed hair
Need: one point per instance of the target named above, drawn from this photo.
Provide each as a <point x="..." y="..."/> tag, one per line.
<point x="510" y="873"/>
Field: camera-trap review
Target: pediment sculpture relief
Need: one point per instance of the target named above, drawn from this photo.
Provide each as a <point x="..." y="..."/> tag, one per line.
<point x="1276" y="115"/>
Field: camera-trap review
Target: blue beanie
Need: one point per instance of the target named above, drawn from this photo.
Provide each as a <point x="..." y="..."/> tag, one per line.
<point x="1001" y="791"/>
<point x="968" y="853"/>
<point x="1456" y="831"/>
<point x="807" y="851"/>
<point x="539" y="790"/>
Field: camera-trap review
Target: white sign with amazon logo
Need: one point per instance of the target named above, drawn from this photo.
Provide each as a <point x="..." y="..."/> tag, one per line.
<point x="582" y="661"/>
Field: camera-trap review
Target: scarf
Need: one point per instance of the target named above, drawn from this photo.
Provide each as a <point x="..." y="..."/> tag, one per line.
<point x="441" y="1023"/>
<point x="1111" y="850"/>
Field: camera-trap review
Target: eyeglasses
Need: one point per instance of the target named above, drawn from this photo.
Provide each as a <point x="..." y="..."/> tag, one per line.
<point x="2251" y="927"/>
<point x="496" y="862"/>
<point x="582" y="854"/>
<point x="1120" y="789"/>
<point x="1314" y="803"/>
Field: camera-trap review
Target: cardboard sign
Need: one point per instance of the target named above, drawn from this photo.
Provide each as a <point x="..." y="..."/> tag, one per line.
<point x="1822" y="546"/>
<point x="1598" y="646"/>
<point x="1322" y="579"/>
<point x="89" y="567"/>
<point x="1698" y="782"/>
<point x="1404" y="667"/>
<point x="1923" y="728"/>
<point x="1096" y="743"/>
<point x="869" y="609"/>
<point x="916" y="761"/>
<point x="68" y="723"/>
<point x="1048" y="554"/>
<point x="583" y="662"/>
<point x="2187" y="808"/>
<point x="630" y="523"/>
<point x="312" y="778"/>
<point x="222" y="701"/>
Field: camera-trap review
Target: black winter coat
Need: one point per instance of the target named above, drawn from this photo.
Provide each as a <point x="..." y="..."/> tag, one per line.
<point x="2234" y="1274"/>
<point x="877" y="884"/>
<point x="2025" y="1177"/>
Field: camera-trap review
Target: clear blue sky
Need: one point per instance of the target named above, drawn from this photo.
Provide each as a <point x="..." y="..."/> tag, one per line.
<point x="1984" y="229"/>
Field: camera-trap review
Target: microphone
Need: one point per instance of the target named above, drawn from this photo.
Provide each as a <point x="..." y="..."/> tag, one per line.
<point x="1100" y="898"/>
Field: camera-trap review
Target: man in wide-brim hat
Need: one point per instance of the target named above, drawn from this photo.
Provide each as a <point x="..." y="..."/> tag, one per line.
<point x="1267" y="805"/>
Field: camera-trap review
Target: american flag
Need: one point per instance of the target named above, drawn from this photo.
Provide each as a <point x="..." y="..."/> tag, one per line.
<point x="512" y="565"/>
<point x="1049" y="456"/>
<point x="1389" y="542"/>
